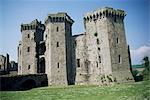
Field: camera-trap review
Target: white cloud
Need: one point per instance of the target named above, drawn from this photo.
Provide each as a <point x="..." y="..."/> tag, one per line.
<point x="138" y="54"/>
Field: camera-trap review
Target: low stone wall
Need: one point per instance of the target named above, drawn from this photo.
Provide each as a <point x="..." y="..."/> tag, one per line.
<point x="22" y="82"/>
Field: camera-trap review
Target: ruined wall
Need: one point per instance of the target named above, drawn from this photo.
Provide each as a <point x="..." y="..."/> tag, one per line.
<point x="81" y="63"/>
<point x="2" y="63"/>
<point x="58" y="48"/>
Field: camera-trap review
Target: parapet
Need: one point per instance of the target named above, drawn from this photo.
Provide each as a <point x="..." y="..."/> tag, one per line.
<point x="35" y="24"/>
<point x="104" y="12"/>
<point x="59" y="17"/>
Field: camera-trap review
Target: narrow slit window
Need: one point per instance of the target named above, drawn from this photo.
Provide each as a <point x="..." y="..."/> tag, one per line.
<point x="57" y="29"/>
<point x="28" y="67"/>
<point x="97" y="64"/>
<point x="120" y="59"/>
<point x="75" y="43"/>
<point x="28" y="49"/>
<point x="97" y="41"/>
<point x="117" y="40"/>
<point x="57" y="65"/>
<point x="99" y="59"/>
<point x="78" y="62"/>
<point x="57" y="44"/>
<point x="28" y="35"/>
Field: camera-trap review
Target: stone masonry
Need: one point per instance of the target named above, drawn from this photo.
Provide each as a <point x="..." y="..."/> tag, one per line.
<point x="97" y="56"/>
<point x="28" y="49"/>
<point x="102" y="52"/>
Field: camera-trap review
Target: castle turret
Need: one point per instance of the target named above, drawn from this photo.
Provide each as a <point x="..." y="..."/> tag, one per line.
<point x="28" y="56"/>
<point x="58" y="55"/>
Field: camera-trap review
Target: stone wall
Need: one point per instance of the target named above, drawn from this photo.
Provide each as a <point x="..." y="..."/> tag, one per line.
<point x="23" y="82"/>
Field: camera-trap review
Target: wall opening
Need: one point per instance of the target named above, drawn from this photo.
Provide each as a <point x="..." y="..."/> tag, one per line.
<point x="78" y="62"/>
<point x="28" y="67"/>
<point x="42" y="65"/>
<point x="28" y="49"/>
<point x="57" y="44"/>
<point x="57" y="29"/>
<point x="57" y="65"/>
<point x="28" y="35"/>
<point x="120" y="59"/>
<point x="97" y="41"/>
<point x="117" y="40"/>
<point x="99" y="59"/>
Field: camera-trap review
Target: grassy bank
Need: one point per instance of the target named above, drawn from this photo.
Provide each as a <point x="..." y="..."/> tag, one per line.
<point x="132" y="91"/>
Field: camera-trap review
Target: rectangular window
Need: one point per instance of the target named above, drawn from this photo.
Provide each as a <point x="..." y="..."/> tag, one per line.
<point x="78" y="62"/>
<point x="28" y="35"/>
<point x="97" y="41"/>
<point x="99" y="59"/>
<point x="57" y="65"/>
<point x="28" y="67"/>
<point x="57" y="44"/>
<point x="117" y="40"/>
<point x="57" y="29"/>
<point x="28" y="50"/>
<point x="97" y="64"/>
<point x="120" y="59"/>
<point x="75" y="43"/>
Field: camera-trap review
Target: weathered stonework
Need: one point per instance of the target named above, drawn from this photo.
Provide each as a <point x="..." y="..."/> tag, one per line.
<point x="4" y="63"/>
<point x="106" y="54"/>
<point x="58" y="55"/>
<point x="28" y="56"/>
<point x="98" y="56"/>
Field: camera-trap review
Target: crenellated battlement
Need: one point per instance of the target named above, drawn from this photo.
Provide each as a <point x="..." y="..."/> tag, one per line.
<point x="59" y="17"/>
<point x="35" y="24"/>
<point x="104" y="12"/>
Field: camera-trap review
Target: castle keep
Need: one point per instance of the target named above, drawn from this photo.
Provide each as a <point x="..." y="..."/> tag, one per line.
<point x="97" y="56"/>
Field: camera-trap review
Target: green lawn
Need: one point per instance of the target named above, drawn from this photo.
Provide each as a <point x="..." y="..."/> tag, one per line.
<point x="132" y="91"/>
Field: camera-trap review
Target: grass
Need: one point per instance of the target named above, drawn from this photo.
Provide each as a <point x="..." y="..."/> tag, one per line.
<point x="130" y="91"/>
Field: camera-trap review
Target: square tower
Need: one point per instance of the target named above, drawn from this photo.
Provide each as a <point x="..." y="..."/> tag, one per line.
<point x="58" y="55"/>
<point x="106" y="48"/>
<point x="28" y="48"/>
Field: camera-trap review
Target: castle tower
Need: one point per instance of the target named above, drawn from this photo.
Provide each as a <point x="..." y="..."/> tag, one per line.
<point x="28" y="48"/>
<point x="58" y="55"/>
<point x="106" y="52"/>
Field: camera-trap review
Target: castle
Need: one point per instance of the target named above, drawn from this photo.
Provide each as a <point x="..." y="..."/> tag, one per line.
<point x="98" y="56"/>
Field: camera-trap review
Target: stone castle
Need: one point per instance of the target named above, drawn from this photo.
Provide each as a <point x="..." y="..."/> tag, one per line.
<point x="98" y="56"/>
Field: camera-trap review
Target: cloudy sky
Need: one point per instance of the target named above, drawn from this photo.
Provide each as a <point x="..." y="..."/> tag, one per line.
<point x="15" y="12"/>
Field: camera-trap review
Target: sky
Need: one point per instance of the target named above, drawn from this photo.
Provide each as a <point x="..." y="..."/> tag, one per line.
<point x="15" y="12"/>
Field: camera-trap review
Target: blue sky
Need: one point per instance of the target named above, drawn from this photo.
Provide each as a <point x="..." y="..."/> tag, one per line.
<point x="15" y="12"/>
